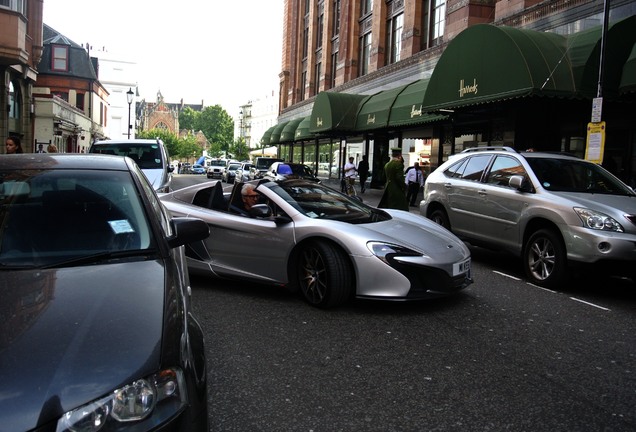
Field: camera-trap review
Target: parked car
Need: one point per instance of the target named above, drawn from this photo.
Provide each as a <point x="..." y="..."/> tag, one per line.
<point x="95" y="300"/>
<point x="243" y="172"/>
<point x="322" y="243"/>
<point x="284" y="170"/>
<point x="197" y="169"/>
<point x="552" y="210"/>
<point x="150" y="154"/>
<point x="229" y="173"/>
<point x="185" y="168"/>
<point x="261" y="165"/>
<point x="215" y="169"/>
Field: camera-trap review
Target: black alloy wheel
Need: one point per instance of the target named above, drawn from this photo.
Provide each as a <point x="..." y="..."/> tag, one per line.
<point x="324" y="274"/>
<point x="440" y="217"/>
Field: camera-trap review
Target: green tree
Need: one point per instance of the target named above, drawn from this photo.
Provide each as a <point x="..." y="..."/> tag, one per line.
<point x="189" y="148"/>
<point x="218" y="127"/>
<point x="189" y="119"/>
<point x="239" y="150"/>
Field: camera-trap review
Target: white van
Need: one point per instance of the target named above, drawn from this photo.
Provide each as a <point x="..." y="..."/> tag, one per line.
<point x="150" y="154"/>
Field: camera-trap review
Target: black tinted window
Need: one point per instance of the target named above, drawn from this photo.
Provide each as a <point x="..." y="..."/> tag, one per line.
<point x="475" y="167"/>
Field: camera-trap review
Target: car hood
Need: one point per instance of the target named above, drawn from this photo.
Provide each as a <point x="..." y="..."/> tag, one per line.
<point x="612" y="205"/>
<point x="72" y="335"/>
<point x="421" y="235"/>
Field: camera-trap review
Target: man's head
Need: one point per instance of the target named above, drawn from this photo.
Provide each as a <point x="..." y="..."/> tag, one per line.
<point x="249" y="195"/>
<point x="351" y="159"/>
<point x="396" y="152"/>
<point x="416" y="165"/>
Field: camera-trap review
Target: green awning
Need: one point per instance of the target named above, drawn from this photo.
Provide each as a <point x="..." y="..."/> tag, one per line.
<point x="486" y="63"/>
<point x="302" y="130"/>
<point x="266" y="136"/>
<point x="375" y="111"/>
<point x="335" y="112"/>
<point x="407" y="108"/>
<point x="628" y="79"/>
<point x="584" y="53"/>
<point x="289" y="131"/>
<point x="275" y="137"/>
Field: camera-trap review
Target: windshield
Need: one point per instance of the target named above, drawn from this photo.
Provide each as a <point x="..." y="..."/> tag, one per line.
<point x="147" y="156"/>
<point x="567" y="175"/>
<point x="217" y="163"/>
<point x="51" y="217"/>
<point x="320" y="202"/>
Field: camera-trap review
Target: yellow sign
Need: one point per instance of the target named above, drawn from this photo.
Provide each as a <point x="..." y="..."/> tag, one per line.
<point x="595" y="143"/>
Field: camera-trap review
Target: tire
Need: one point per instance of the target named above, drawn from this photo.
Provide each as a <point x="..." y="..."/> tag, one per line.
<point x="440" y="217"/>
<point x="544" y="258"/>
<point x="324" y="275"/>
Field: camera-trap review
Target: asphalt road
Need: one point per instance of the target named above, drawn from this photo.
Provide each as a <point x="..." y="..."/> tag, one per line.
<point x="503" y="355"/>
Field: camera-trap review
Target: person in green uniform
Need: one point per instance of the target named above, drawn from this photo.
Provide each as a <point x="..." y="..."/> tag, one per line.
<point x="394" y="195"/>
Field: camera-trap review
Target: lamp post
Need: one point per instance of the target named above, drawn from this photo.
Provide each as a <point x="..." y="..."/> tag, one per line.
<point x="129" y="96"/>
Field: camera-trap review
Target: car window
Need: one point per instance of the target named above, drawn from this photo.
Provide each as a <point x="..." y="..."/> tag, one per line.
<point x="503" y="168"/>
<point x="568" y="175"/>
<point x="456" y="170"/>
<point x="57" y="215"/>
<point x="475" y="167"/>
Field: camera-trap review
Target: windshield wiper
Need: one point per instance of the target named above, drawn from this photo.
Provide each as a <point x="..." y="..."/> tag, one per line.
<point x="99" y="257"/>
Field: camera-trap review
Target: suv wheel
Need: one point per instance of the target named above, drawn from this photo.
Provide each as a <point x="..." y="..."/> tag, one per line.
<point x="440" y="217"/>
<point x="544" y="258"/>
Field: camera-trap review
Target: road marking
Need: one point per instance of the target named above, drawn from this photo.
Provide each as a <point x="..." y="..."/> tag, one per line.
<point x="541" y="288"/>
<point x="506" y="275"/>
<point x="589" y="304"/>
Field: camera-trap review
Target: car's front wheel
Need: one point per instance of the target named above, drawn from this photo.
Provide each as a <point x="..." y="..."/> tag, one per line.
<point x="324" y="274"/>
<point x="544" y="258"/>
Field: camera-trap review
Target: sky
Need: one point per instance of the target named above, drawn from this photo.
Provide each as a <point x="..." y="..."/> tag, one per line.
<point x="222" y="52"/>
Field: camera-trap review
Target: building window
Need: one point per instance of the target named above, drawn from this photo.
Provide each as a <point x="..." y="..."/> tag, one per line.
<point x="366" y="6"/>
<point x="306" y="37"/>
<point x="439" y="20"/>
<point x="321" y="25"/>
<point x="334" y="68"/>
<point x="14" y="5"/>
<point x="303" y="85"/>
<point x="14" y="100"/>
<point x="365" y="54"/>
<point x="59" y="60"/>
<point x="79" y="101"/>
<point x="60" y="94"/>
<point x="394" y="38"/>
<point x="336" y="18"/>
<point x="317" y="78"/>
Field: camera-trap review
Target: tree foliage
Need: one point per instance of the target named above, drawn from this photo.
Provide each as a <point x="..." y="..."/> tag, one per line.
<point x="218" y="127"/>
<point x="170" y="140"/>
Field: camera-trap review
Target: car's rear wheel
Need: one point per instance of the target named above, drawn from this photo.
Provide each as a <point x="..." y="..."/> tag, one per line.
<point x="544" y="258"/>
<point x="440" y="217"/>
<point x="324" y="274"/>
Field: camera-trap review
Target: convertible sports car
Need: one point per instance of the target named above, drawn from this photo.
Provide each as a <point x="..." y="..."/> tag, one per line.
<point x="310" y="237"/>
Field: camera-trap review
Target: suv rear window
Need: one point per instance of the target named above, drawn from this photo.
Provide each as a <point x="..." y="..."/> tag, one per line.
<point x="471" y="168"/>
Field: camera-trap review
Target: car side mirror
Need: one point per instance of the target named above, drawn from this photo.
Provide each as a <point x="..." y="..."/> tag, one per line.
<point x="519" y="183"/>
<point x="170" y="168"/>
<point x="187" y="230"/>
<point x="260" y="211"/>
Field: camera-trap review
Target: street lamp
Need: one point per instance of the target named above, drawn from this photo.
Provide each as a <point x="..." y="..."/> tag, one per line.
<point x="129" y="96"/>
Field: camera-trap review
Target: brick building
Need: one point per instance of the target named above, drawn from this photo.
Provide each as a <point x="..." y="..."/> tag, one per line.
<point x="20" y="53"/>
<point x="435" y="77"/>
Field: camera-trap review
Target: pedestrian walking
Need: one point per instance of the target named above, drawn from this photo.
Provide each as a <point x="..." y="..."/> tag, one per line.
<point x="414" y="182"/>
<point x="394" y="195"/>
<point x="363" y="172"/>
<point x="350" y="175"/>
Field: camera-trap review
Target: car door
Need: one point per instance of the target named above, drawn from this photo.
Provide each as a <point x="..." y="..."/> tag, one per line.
<point x="501" y="206"/>
<point x="463" y="197"/>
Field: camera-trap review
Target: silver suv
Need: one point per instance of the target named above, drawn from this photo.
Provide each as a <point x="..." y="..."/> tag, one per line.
<point x="552" y="210"/>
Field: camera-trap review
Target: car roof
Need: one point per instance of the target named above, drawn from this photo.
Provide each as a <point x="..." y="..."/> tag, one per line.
<point x="131" y="141"/>
<point x="62" y="161"/>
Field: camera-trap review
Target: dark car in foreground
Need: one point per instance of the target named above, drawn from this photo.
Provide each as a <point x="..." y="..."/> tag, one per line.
<point x="557" y="212"/>
<point x="285" y="170"/>
<point x="97" y="331"/>
<point x="313" y="239"/>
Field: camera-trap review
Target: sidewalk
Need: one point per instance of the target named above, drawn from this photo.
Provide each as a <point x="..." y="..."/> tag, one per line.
<point x="370" y="196"/>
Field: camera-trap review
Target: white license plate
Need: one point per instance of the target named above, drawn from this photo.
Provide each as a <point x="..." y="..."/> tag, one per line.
<point x="462" y="267"/>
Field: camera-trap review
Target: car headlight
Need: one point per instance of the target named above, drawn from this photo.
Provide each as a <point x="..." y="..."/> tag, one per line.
<point x="386" y="251"/>
<point x="156" y="398"/>
<point x="598" y="221"/>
